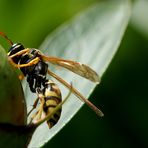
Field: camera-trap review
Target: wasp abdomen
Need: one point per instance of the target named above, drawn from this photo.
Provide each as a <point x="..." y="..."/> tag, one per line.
<point x="53" y="97"/>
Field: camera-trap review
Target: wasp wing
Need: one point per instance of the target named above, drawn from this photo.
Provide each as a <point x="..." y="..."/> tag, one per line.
<point x="77" y="93"/>
<point x="76" y="67"/>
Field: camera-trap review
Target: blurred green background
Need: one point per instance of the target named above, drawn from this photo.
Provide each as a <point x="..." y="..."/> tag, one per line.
<point x="122" y="94"/>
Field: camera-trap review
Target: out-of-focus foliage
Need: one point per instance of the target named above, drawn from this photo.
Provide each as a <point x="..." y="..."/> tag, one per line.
<point x="29" y="21"/>
<point x="123" y="91"/>
<point x="12" y="102"/>
<point x="139" y="17"/>
<point x="13" y="112"/>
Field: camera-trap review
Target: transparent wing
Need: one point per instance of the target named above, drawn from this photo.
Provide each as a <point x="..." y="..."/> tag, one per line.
<point x="76" y="67"/>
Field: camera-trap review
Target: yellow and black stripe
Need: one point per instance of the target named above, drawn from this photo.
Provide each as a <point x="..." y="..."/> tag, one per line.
<point x="52" y="98"/>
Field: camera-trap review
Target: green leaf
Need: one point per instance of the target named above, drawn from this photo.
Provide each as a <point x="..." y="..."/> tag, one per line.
<point x="139" y="17"/>
<point x="12" y="106"/>
<point x="91" y="38"/>
<point x="12" y="102"/>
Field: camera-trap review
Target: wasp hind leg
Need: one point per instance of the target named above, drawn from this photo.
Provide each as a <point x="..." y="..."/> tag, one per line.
<point x="77" y="93"/>
<point x="24" y="51"/>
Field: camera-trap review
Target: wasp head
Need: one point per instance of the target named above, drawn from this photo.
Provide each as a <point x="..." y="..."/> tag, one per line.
<point x="15" y="48"/>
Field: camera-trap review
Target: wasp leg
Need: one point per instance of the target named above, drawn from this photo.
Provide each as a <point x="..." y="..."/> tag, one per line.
<point x="33" y="106"/>
<point x="32" y="62"/>
<point x="21" y="77"/>
<point x="42" y="100"/>
<point x="77" y="93"/>
<point x="3" y="35"/>
<point x="33" y="117"/>
<point x="38" y="114"/>
<point x="19" y="53"/>
<point x="47" y="117"/>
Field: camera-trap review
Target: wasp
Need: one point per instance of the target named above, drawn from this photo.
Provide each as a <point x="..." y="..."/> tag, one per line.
<point x="34" y="66"/>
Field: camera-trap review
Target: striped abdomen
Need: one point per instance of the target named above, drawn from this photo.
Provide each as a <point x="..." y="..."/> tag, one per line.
<point x="53" y="97"/>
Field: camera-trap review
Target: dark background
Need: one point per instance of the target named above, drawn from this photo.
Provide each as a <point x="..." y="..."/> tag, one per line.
<point x="122" y="93"/>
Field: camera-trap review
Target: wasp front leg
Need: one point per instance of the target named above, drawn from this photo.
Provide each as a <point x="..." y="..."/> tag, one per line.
<point x="32" y="62"/>
<point x="25" y="51"/>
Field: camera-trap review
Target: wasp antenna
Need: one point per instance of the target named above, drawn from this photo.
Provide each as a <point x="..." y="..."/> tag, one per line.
<point x="4" y="36"/>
